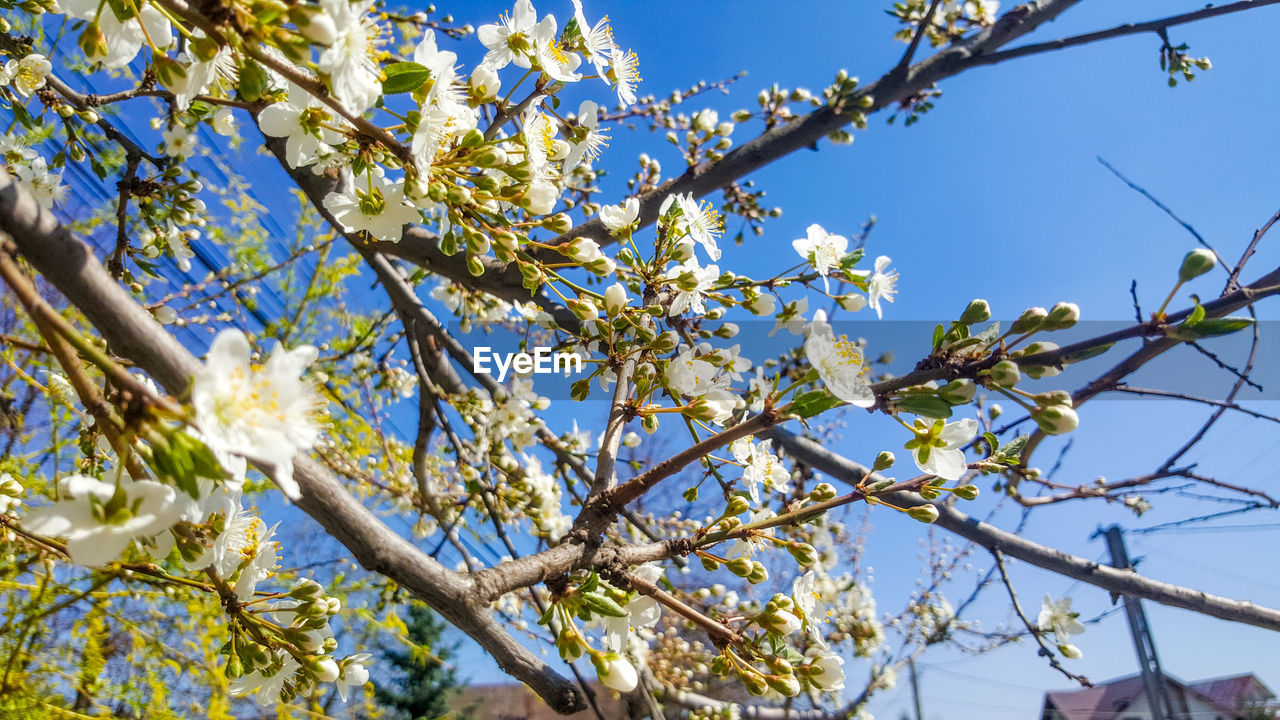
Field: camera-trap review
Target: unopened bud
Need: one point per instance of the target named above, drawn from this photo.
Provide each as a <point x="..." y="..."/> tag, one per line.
<point x="978" y="311"/>
<point x="1030" y="321"/>
<point x="1005" y="373"/>
<point x="740" y="566"/>
<point x="966" y="492"/>
<point x="924" y="513"/>
<point x="786" y="685"/>
<point x="1062" y="316"/>
<point x="1056" y="419"/>
<point x="821" y="492"/>
<point x="1196" y="263"/>
<point x="958" y="392"/>
<point x="884" y="461"/>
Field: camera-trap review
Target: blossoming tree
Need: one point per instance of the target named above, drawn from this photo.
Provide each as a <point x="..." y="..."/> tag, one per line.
<point x="149" y="464"/>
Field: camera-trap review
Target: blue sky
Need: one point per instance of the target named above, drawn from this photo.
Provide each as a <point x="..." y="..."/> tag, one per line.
<point x="997" y="193"/>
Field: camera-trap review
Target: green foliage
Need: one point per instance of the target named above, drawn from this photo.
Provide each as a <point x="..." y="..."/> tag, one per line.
<point x="421" y="681"/>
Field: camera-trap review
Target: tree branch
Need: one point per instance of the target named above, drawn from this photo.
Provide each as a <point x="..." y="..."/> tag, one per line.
<point x="1122" y="582"/>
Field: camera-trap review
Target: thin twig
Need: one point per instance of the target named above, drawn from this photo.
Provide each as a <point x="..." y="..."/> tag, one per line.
<point x="1035" y="632"/>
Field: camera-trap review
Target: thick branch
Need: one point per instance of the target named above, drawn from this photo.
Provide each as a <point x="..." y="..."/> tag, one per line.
<point x="1121" y="582"/>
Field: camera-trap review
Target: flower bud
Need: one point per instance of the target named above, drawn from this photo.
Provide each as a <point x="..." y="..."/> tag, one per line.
<point x="978" y="311"/>
<point x="616" y="672"/>
<point x="666" y="342"/>
<point x="1030" y="321"/>
<point x="780" y="622"/>
<point x="755" y="684"/>
<point x="1069" y="651"/>
<point x="1054" y="397"/>
<point x="966" y="492"/>
<point x="1056" y="419"/>
<point x="958" y="392"/>
<point x="758" y="573"/>
<point x="923" y="513"/>
<point x="615" y="298"/>
<point x="485" y="83"/>
<point x="804" y="553"/>
<point x="884" y="461"/>
<point x="786" y="685"/>
<point x="325" y="670"/>
<point x="822" y="492"/>
<point x="171" y="73"/>
<point x="1196" y="263"/>
<point x="319" y="28"/>
<point x="852" y="302"/>
<point x="1005" y="373"/>
<point x="1062" y="316"/>
<point x="740" y="566"/>
<point x="762" y="304"/>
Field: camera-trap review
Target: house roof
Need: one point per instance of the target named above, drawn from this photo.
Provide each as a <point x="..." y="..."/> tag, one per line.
<point x="1106" y="700"/>
<point x="1099" y="701"/>
<point x="1233" y="692"/>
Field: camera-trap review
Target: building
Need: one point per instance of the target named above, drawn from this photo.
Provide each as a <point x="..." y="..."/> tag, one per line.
<point x="1229" y="698"/>
<point x="514" y="701"/>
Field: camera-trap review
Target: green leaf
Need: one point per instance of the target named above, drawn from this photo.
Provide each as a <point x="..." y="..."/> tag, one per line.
<point x="814" y="402"/>
<point x="990" y="334"/>
<point x="404" y="77"/>
<point x="602" y="605"/>
<point x="938" y="334"/>
<point x="1011" y="452"/>
<point x="547" y="615"/>
<point x="1086" y="354"/>
<point x="1195" y="317"/>
<point x="851" y="259"/>
<point x="993" y="442"/>
<point x="1208" y="328"/>
<point x="930" y="406"/>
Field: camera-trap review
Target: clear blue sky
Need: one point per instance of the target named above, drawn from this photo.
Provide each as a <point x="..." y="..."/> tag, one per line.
<point x="997" y="194"/>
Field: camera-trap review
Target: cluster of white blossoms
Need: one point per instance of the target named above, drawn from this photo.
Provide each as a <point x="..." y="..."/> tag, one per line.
<point x="31" y="171"/>
<point x="281" y="642"/>
<point x="27" y="74"/>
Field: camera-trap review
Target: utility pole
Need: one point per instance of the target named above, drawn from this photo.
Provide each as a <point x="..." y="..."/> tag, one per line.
<point x="915" y="688"/>
<point x="1152" y="676"/>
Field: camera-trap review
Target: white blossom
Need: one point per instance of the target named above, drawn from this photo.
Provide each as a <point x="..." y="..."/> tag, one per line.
<point x="28" y="74"/>
<point x="304" y="122"/>
<point x="839" y="362"/>
<point x="266" y="689"/>
<point x="354" y="674"/>
<point x="881" y="283"/>
<point x="510" y="38"/>
<point x="692" y="298"/>
<point x="822" y="250"/>
<point x="264" y="415"/>
<point x="374" y="204"/>
<point x="348" y="60"/>
<point x="1056" y="617"/>
<point x="99" y="519"/>
<point x="625" y="74"/>
<point x="939" y="449"/>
